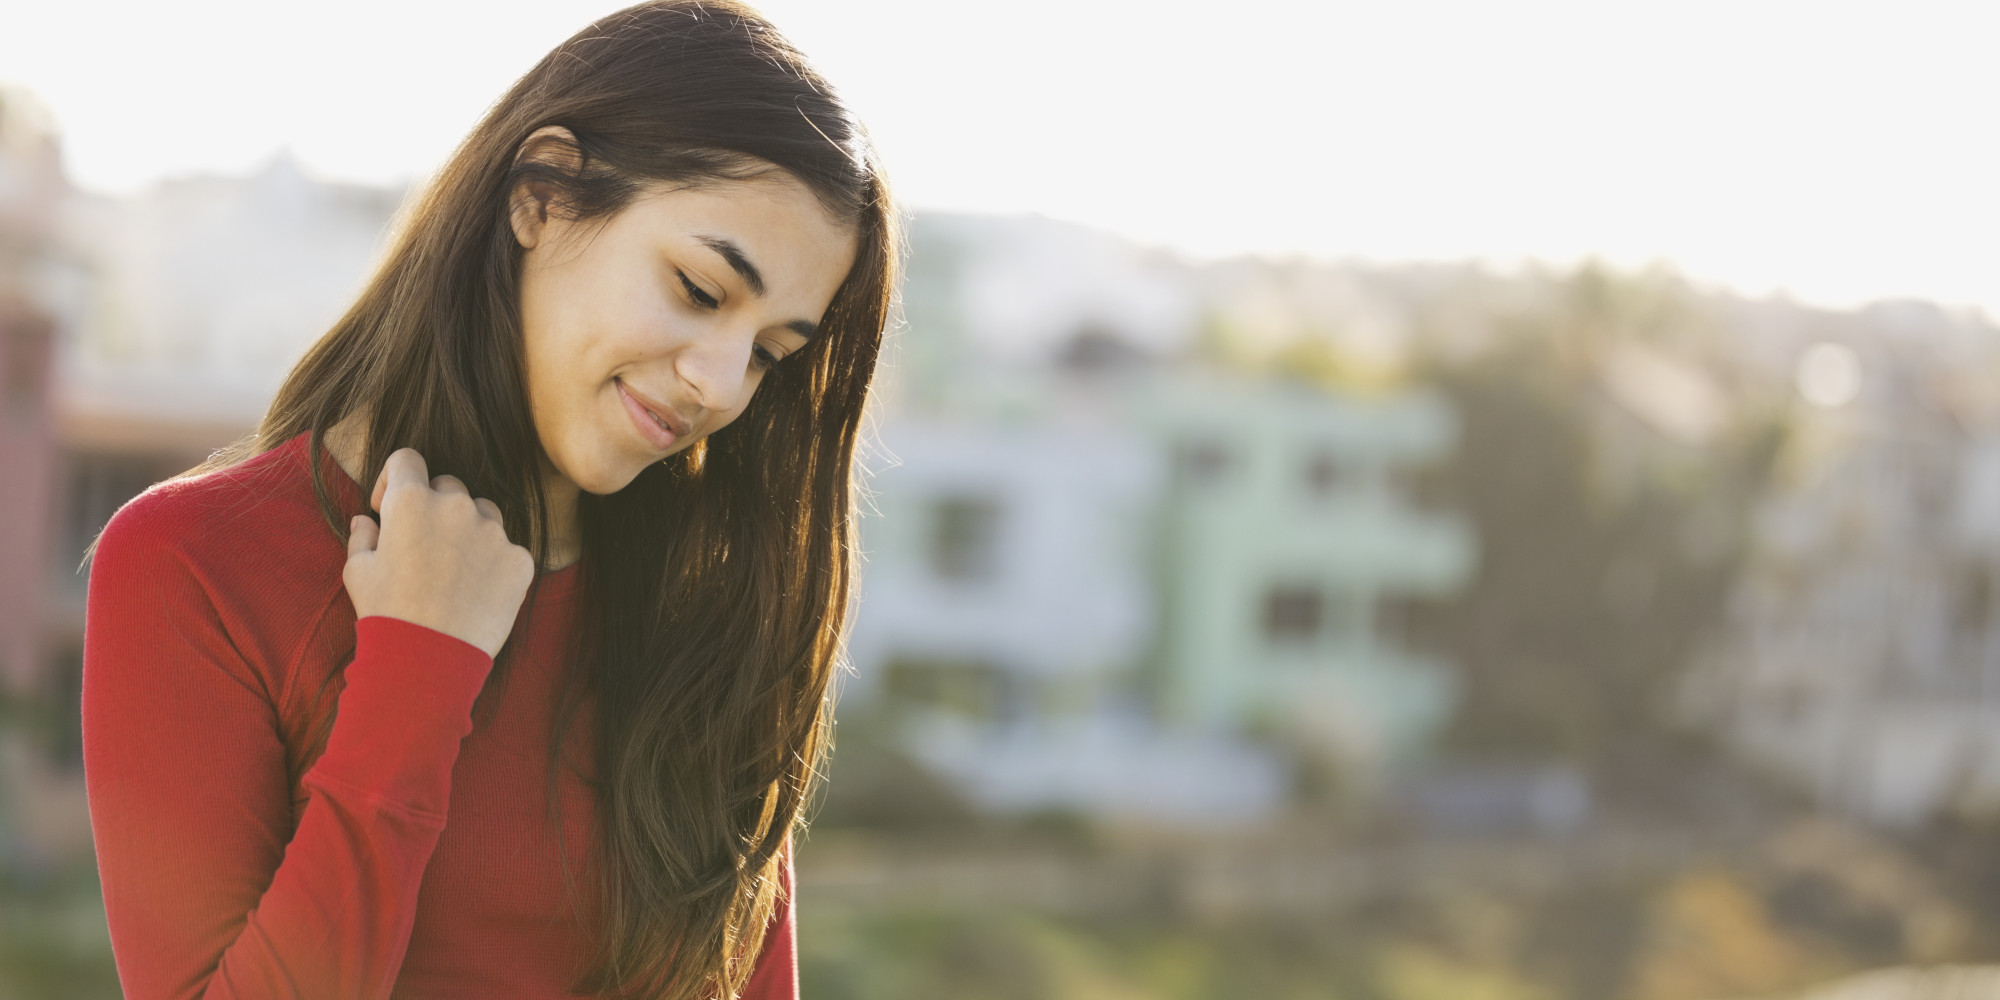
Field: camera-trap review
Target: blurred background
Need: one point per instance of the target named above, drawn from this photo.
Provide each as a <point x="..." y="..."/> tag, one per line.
<point x="1378" y="502"/>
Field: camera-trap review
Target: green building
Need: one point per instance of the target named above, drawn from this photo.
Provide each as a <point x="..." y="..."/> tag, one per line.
<point x="1291" y="547"/>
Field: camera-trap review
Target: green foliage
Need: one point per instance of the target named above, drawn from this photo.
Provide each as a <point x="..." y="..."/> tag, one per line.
<point x="1002" y="956"/>
<point x="53" y="942"/>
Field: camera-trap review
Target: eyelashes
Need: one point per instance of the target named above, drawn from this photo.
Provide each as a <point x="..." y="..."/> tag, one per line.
<point x="761" y="357"/>
<point x="701" y="298"/>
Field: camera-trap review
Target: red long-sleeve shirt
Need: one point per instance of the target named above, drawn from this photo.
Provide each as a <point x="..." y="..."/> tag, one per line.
<point x="411" y="856"/>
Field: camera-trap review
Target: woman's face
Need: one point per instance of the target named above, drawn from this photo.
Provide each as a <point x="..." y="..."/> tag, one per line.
<point x="649" y="330"/>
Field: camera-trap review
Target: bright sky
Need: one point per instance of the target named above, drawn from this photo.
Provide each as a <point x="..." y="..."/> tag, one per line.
<point x="1840" y="151"/>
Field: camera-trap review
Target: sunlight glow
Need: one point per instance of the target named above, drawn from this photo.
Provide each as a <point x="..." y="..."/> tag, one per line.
<point x="1840" y="153"/>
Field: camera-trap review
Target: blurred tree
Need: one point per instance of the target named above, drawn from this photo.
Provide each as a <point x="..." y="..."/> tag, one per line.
<point x="1592" y="588"/>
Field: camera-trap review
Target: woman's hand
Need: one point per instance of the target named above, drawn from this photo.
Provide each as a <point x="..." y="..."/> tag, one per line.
<point x="439" y="559"/>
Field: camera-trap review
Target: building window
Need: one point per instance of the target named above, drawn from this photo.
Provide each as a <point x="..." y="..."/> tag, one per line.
<point x="24" y="367"/>
<point x="1973" y="600"/>
<point x="965" y="539"/>
<point x="1201" y="463"/>
<point x="1325" y="474"/>
<point x="1401" y="621"/>
<point x="1419" y="484"/>
<point x="1293" y="615"/>
<point x="62" y="705"/>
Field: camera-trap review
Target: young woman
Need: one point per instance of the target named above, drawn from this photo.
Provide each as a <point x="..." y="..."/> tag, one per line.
<point x="541" y="724"/>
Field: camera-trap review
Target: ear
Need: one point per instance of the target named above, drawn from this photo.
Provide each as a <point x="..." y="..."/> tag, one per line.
<point x="530" y="205"/>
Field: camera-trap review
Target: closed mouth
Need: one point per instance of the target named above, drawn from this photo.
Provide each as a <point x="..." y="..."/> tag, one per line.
<point x="668" y="420"/>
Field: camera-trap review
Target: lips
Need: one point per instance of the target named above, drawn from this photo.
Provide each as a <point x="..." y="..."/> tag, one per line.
<point x="655" y="421"/>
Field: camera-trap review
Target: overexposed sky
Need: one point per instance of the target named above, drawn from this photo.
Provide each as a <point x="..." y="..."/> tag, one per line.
<point x="1839" y="151"/>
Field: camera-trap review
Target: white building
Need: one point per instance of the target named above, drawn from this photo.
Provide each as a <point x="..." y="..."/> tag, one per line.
<point x="1084" y="586"/>
<point x="204" y="292"/>
<point x="1008" y="606"/>
<point x="1068" y="605"/>
<point x="1862" y="657"/>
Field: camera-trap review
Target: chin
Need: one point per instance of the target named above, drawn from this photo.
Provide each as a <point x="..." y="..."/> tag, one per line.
<point x="613" y="479"/>
<point x="602" y="472"/>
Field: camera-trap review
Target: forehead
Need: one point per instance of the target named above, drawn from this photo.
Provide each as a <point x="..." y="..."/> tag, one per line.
<point x="776" y="220"/>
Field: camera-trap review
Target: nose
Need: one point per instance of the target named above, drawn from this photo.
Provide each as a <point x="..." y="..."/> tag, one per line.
<point x="715" y="368"/>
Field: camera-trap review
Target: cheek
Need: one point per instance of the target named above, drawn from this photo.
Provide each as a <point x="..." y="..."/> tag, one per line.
<point x="561" y="356"/>
<point x="545" y="350"/>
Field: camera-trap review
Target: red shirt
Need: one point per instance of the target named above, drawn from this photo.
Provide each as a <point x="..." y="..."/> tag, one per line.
<point x="413" y="856"/>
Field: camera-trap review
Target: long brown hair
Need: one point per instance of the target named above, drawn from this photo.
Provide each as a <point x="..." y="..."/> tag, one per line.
<point x="716" y="585"/>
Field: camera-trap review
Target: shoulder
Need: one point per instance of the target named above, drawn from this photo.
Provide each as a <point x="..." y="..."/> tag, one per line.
<point x="248" y="540"/>
<point x="264" y="499"/>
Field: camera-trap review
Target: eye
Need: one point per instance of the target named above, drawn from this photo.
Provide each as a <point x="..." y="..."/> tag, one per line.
<point x="761" y="357"/>
<point x="701" y="298"/>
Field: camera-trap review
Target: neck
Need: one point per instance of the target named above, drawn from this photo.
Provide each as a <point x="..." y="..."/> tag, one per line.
<point x="565" y="528"/>
<point x="347" y="442"/>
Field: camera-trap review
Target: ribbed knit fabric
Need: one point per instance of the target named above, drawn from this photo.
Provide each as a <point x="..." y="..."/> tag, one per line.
<point x="270" y="825"/>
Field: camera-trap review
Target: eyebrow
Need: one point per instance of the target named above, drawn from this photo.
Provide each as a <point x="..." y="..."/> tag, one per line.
<point x="740" y="263"/>
<point x="729" y="251"/>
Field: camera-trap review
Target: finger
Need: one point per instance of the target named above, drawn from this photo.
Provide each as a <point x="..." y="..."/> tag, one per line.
<point x="404" y="466"/>
<point x="489" y="510"/>
<point x="448" y="483"/>
<point x="362" y="535"/>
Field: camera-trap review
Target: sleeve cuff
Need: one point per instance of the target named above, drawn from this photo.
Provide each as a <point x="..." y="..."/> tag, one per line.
<point x="406" y="706"/>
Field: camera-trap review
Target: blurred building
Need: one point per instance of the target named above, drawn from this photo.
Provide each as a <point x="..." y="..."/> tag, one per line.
<point x="32" y="193"/>
<point x="1288" y="544"/>
<point x="39" y="803"/>
<point x="204" y="292"/>
<point x="1108" y="580"/>
<point x="140" y="335"/>
<point x="1862" y="657"/>
<point x="1006" y="611"/>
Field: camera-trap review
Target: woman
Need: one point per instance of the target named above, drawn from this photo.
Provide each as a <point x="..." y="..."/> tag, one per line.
<point x="552" y="739"/>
